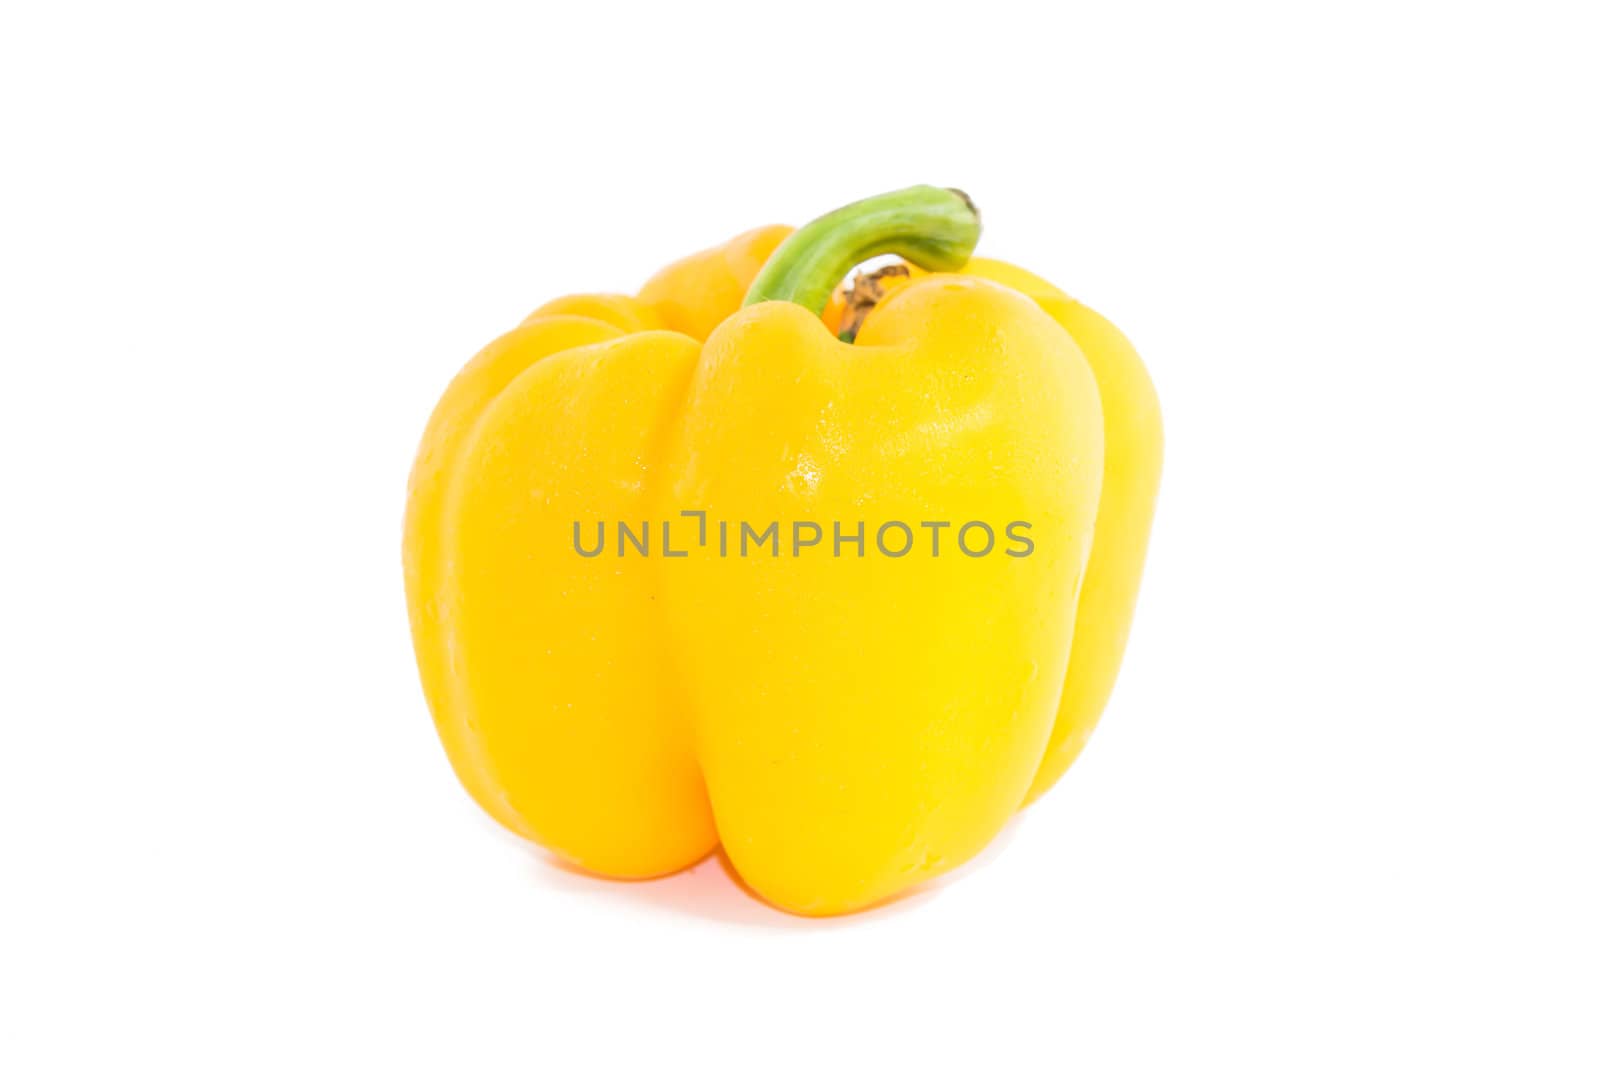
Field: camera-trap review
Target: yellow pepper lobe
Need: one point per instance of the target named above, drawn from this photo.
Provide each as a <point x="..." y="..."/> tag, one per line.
<point x="628" y="314"/>
<point x="1134" y="446"/>
<point x="556" y="658"/>
<point x="425" y="557"/>
<point x="865" y="723"/>
<point x="469" y="690"/>
<point x="1133" y="449"/>
<point x="695" y="294"/>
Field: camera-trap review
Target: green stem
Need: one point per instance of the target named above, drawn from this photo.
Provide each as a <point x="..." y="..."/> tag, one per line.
<point x="936" y="229"/>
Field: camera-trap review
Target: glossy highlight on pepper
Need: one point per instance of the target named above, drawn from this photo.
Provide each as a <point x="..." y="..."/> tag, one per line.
<point x="844" y="726"/>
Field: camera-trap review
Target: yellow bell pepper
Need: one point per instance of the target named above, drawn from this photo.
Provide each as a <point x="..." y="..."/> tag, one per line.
<point x="808" y="598"/>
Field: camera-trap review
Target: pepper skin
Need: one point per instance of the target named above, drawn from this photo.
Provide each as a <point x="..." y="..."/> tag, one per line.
<point x="690" y="296"/>
<point x="693" y="294"/>
<point x="1133" y="452"/>
<point x="846" y="723"/>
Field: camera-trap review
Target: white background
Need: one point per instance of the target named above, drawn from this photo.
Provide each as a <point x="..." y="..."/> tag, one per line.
<point x="1343" y="808"/>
